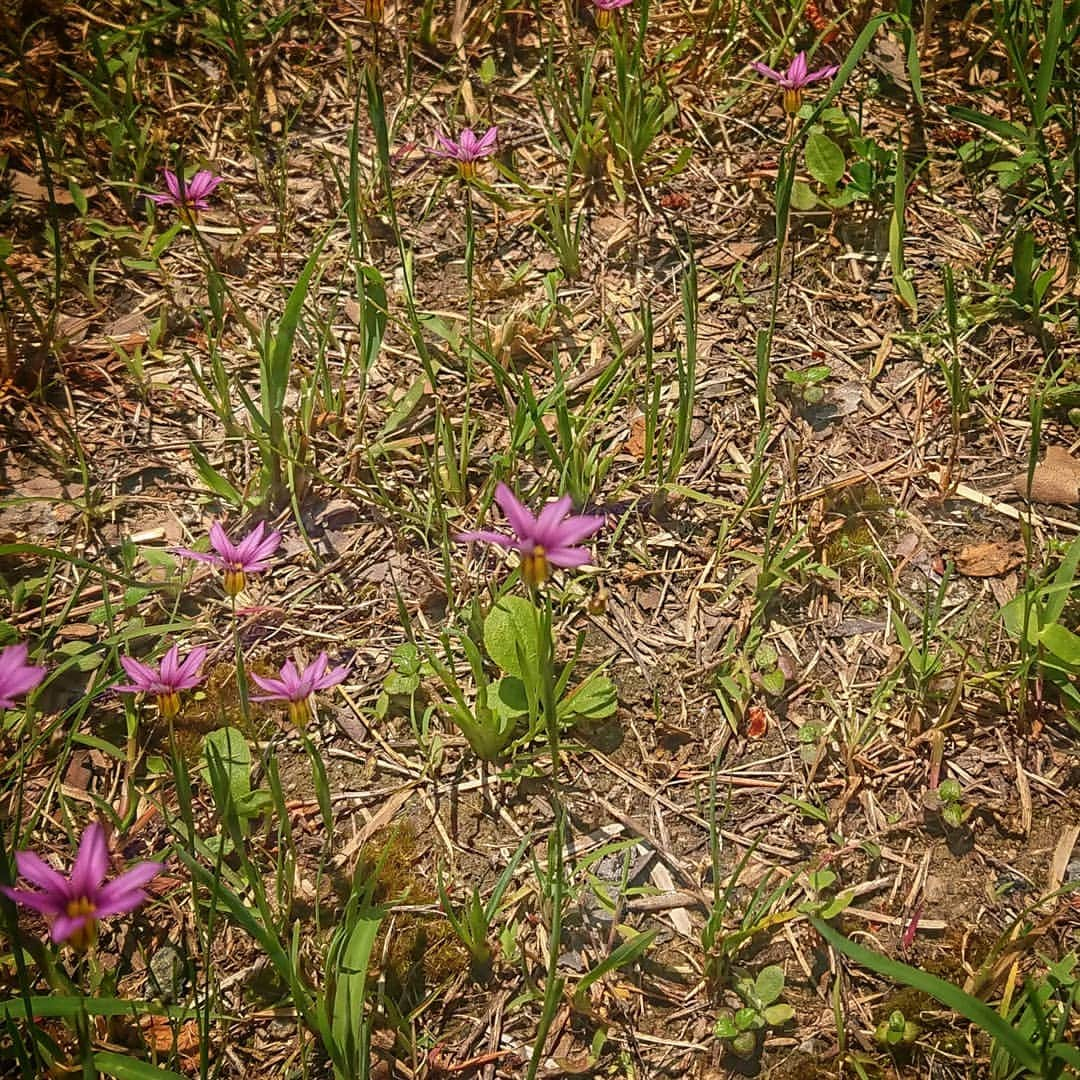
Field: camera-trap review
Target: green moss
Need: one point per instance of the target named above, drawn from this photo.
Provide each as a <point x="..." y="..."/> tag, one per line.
<point x="419" y="950"/>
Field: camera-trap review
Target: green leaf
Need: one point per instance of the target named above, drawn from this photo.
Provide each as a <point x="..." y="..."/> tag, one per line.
<point x="510" y="631"/>
<point x="778" y="1015"/>
<point x="803" y="197"/>
<point x="125" y="1068"/>
<point x="625" y="954"/>
<point x="773" y="682"/>
<point x="595" y="698"/>
<point x="213" y="479"/>
<point x="952" y="997"/>
<point x="229" y="747"/>
<point x="769" y="984"/>
<point x="349" y="982"/>
<point x="824" y="160"/>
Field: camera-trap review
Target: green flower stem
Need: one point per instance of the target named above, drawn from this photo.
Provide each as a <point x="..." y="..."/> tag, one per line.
<point x="553" y="985"/>
<point x="241" y="670"/>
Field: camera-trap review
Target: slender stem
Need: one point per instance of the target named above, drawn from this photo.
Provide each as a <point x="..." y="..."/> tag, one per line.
<point x="241" y="671"/>
<point x="553" y="984"/>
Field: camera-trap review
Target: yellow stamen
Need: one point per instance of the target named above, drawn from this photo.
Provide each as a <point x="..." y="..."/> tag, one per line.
<point x="535" y="568"/>
<point x="467" y="170"/>
<point x="86" y="935"/>
<point x="604" y="17"/>
<point x="234" y="581"/>
<point x="792" y="100"/>
<point x="169" y="705"/>
<point x="299" y="713"/>
<point x="373" y="10"/>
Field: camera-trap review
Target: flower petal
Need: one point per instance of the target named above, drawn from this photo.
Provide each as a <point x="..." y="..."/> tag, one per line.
<point x="220" y="542"/>
<point x="568" y="556"/>
<point x="549" y="518"/>
<point x="521" y="521"/>
<point x="126" y="892"/>
<point x="577" y="528"/>
<point x="45" y="903"/>
<point x="768" y="72"/>
<point x="38" y="872"/>
<point x="91" y="864"/>
<point x="486" y="537"/>
<point x="66" y="925"/>
<point x="796" y="72"/>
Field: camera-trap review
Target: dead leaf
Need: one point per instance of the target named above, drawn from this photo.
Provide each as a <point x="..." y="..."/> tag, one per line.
<point x="635" y="445"/>
<point x="991" y="559"/>
<point x="1056" y="479"/>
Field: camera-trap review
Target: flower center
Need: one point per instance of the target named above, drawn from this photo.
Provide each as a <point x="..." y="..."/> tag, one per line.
<point x="82" y="908"/>
<point x="535" y="568"/>
<point x="792" y="100"/>
<point x="373" y="9"/>
<point x="169" y="704"/>
<point x="234" y="579"/>
<point x="604" y="18"/>
<point x="467" y="170"/>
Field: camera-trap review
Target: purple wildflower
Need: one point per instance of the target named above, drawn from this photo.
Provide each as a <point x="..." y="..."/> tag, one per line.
<point x="605" y="10"/>
<point x="552" y="538"/>
<point x="165" y="684"/>
<point x="296" y="687"/>
<point x="795" y="79"/>
<point x="17" y="677"/>
<point x="75" y="904"/>
<point x="188" y="196"/>
<point x="250" y="556"/>
<point x="467" y="150"/>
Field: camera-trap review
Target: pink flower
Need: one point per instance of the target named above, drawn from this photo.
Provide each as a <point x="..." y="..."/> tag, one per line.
<point x="552" y="538"/>
<point x="75" y="904"/>
<point x="17" y="677"/>
<point x="188" y="196"/>
<point x="165" y="684"/>
<point x="466" y="150"/>
<point x="795" y="79"/>
<point x="297" y="687"/>
<point x="250" y="556"/>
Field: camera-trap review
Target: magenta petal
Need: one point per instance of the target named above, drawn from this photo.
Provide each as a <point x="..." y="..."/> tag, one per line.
<point x="91" y="863"/>
<point x="764" y="69"/>
<point x="796" y="73"/>
<point x="333" y="677"/>
<point x="38" y="872"/>
<point x="200" y="556"/>
<point x="547" y="521"/>
<point x="568" y="556"/>
<point x="575" y="529"/>
<point x="487" y="141"/>
<point x="45" y="903"/>
<point x="188" y="673"/>
<point x="486" y="537"/>
<point x="169" y="664"/>
<point x="275" y="688"/>
<point x="66" y="925"/>
<point x="450" y="149"/>
<point x="521" y="521"/>
<point x="125" y="893"/>
<point x="823" y="73"/>
<point x="142" y="675"/>
<point x="220" y="542"/>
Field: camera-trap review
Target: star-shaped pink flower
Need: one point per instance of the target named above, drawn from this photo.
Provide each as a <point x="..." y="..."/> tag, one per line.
<point x="74" y="905"/>
<point x="552" y="538"/>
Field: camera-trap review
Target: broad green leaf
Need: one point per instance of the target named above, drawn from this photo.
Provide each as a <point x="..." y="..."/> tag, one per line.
<point x="595" y="698"/>
<point x="769" y="984"/>
<point x="824" y="160"/>
<point x="510" y="637"/>
<point x="778" y="1015"/>
<point x="229" y="747"/>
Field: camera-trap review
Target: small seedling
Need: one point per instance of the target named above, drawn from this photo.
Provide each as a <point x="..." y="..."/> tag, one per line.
<point x="761" y="1009"/>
